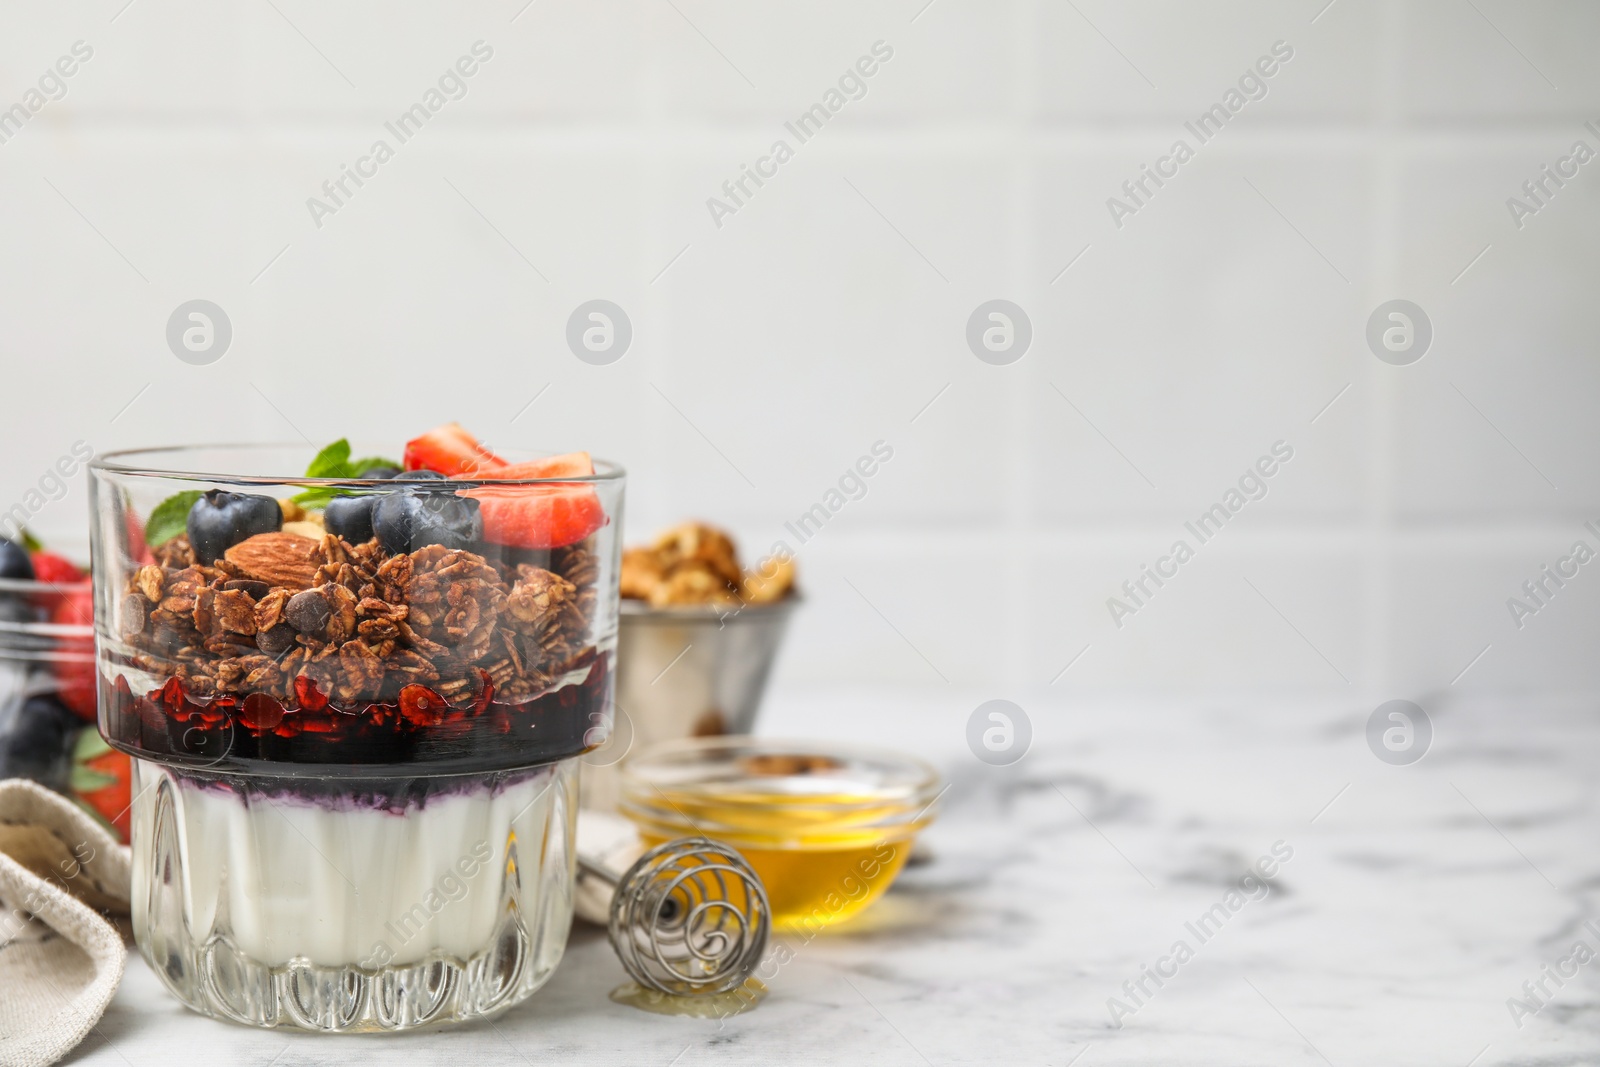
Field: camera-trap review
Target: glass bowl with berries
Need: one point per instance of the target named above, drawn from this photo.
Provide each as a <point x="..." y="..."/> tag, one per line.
<point x="47" y="683"/>
<point x="355" y="700"/>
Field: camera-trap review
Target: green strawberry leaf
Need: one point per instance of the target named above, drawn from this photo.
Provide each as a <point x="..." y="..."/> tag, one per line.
<point x="332" y="462"/>
<point x="362" y="466"/>
<point x="169" y="517"/>
<point x="89" y="745"/>
<point x="30" y="542"/>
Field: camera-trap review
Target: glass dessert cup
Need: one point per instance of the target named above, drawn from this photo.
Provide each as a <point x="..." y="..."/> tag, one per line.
<point x="827" y="827"/>
<point x="355" y="761"/>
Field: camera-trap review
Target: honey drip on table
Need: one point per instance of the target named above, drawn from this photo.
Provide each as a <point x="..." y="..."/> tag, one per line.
<point x="714" y="1006"/>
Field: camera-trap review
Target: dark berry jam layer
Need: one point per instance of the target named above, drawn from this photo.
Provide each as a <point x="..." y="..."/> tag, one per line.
<point x="397" y="796"/>
<point x="313" y="735"/>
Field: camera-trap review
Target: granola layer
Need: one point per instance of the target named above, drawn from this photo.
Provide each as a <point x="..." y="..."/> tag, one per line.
<point x="302" y="651"/>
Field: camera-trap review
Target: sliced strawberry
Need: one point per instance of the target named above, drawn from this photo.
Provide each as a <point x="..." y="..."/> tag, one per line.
<point x="568" y="465"/>
<point x="75" y="677"/>
<point x="102" y="780"/>
<point x="451" y="451"/>
<point x="55" y="570"/>
<point x="540" y="516"/>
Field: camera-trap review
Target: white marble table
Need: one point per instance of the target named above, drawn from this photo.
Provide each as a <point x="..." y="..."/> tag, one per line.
<point x="1416" y="902"/>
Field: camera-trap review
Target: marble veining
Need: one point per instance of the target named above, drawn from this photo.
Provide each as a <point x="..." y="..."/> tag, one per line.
<point x="1417" y="902"/>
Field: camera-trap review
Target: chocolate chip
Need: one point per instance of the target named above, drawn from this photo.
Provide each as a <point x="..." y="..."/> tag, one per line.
<point x="256" y="589"/>
<point x="276" y="641"/>
<point x="135" y="611"/>
<point x="309" y="612"/>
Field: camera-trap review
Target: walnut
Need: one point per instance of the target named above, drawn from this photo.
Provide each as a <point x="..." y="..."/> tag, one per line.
<point x="769" y="582"/>
<point x="699" y="543"/>
<point x="778" y="764"/>
<point x="692" y="583"/>
<point x="694" y="563"/>
<point x="641" y="573"/>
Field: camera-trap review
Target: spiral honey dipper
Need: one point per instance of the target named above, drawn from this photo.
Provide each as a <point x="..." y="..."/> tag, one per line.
<point x="689" y="918"/>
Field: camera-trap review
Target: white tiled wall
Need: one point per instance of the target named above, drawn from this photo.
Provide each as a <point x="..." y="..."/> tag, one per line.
<point x="829" y="311"/>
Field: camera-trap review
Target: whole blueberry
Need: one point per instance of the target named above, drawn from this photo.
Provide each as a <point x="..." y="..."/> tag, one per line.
<point x="350" y="517"/>
<point x="415" y="518"/>
<point x="39" y="741"/>
<point x="380" y="472"/>
<point x="14" y="561"/>
<point x="220" y="519"/>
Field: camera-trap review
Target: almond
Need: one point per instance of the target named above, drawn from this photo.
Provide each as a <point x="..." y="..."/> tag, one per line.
<point x="279" y="559"/>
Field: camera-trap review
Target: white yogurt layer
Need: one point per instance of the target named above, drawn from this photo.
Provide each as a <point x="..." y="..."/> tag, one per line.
<point x="343" y="885"/>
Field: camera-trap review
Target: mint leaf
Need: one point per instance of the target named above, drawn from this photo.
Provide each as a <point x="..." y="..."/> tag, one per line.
<point x="362" y="466"/>
<point x="30" y="542"/>
<point x="318" y="497"/>
<point x="332" y="462"/>
<point x="169" y="517"/>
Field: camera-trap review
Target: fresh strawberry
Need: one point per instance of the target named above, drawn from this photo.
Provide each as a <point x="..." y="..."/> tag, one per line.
<point x="75" y="674"/>
<point x="569" y="465"/>
<point x="540" y="516"/>
<point x="451" y="451"/>
<point x="102" y="780"/>
<point x="54" y="570"/>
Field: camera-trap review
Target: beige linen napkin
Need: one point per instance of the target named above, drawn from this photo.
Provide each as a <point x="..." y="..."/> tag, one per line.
<point x="61" y="875"/>
<point x="611" y="841"/>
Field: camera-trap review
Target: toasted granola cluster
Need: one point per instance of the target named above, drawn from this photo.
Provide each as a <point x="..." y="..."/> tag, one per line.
<point x="694" y="563"/>
<point x="359" y="624"/>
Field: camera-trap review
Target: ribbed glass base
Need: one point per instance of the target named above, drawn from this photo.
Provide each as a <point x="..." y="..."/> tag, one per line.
<point x="406" y="903"/>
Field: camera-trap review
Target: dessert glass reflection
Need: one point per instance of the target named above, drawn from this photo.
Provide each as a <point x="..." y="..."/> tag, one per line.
<point x="355" y="739"/>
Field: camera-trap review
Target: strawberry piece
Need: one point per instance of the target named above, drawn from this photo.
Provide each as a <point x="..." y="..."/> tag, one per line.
<point x="540" y="516"/>
<point x="102" y="781"/>
<point x="75" y="678"/>
<point x="55" y="570"/>
<point x="452" y="451"/>
<point x="421" y="706"/>
<point x="568" y="465"/>
<point x="260" y="712"/>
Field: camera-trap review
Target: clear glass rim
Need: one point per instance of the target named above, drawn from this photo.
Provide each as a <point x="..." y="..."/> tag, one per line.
<point x="922" y="779"/>
<point x="155" y="463"/>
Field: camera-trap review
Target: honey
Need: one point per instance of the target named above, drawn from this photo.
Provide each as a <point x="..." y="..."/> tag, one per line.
<point x="828" y="834"/>
<point x="716" y="1006"/>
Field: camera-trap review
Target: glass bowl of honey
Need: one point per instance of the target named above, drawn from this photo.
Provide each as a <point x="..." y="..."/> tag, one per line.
<point x="826" y="826"/>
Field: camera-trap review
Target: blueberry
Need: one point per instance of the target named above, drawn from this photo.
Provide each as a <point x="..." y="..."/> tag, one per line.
<point x="350" y="517"/>
<point x="15" y="611"/>
<point x="381" y="472"/>
<point x="414" y="518"/>
<point x="220" y="519"/>
<point x="14" y="561"/>
<point x="38" y="745"/>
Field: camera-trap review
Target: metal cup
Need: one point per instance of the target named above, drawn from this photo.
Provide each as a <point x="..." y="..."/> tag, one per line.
<point x="684" y="672"/>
